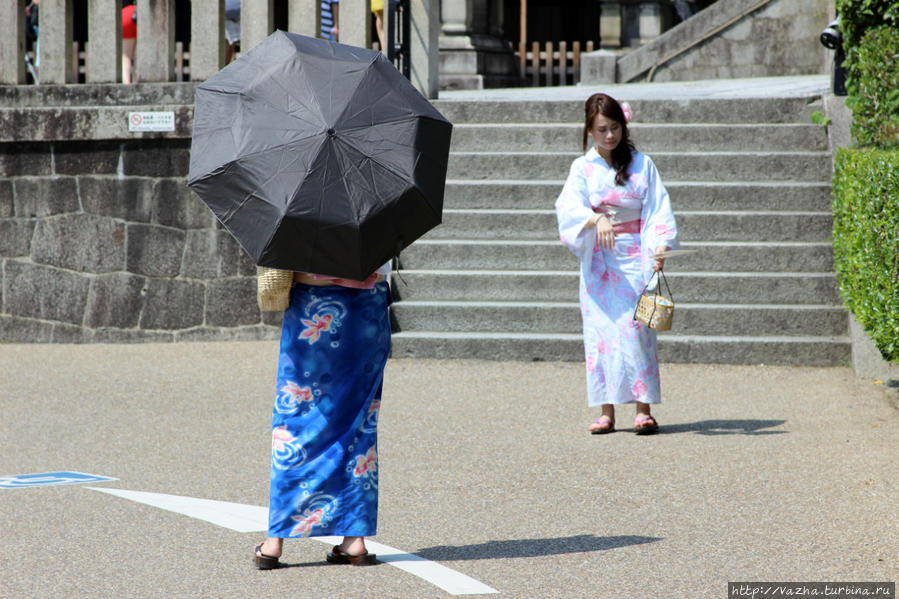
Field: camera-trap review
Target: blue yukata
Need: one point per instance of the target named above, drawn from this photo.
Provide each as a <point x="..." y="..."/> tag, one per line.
<point x="621" y="354"/>
<point x="324" y="470"/>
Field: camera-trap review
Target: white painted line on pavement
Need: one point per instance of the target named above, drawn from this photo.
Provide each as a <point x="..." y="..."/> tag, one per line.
<point x="241" y="517"/>
<point x="447" y="579"/>
<point x="236" y="516"/>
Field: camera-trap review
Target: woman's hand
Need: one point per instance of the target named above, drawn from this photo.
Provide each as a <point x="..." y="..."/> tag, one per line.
<point x="605" y="236"/>
<point x="660" y="262"/>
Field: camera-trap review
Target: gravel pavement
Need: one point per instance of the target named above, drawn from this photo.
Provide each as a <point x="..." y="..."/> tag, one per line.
<point x="760" y="473"/>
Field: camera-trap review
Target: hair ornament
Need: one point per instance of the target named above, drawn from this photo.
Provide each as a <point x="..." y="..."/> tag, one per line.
<point x="628" y="113"/>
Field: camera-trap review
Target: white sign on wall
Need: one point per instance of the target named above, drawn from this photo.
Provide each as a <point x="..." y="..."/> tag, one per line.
<point x="151" y="121"/>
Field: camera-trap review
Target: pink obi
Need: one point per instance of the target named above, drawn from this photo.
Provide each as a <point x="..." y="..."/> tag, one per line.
<point x="632" y="226"/>
<point x="623" y="219"/>
<point x="368" y="283"/>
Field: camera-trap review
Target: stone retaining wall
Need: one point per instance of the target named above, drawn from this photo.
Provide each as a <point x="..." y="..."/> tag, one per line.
<point x="746" y="39"/>
<point x="102" y="241"/>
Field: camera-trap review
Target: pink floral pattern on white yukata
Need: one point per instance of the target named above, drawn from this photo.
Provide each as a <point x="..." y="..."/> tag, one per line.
<point x="621" y="354"/>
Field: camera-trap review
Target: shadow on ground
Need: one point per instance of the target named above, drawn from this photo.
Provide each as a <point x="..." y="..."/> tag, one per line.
<point x="531" y="547"/>
<point x="725" y="427"/>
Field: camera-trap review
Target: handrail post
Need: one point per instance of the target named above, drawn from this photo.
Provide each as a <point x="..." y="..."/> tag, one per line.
<point x="355" y="23"/>
<point x="305" y="17"/>
<point x="424" y="53"/>
<point x="55" y="36"/>
<point x="104" y="52"/>
<point x="155" y="40"/>
<point x="207" y="38"/>
<point x="256" y="22"/>
<point x="12" y="42"/>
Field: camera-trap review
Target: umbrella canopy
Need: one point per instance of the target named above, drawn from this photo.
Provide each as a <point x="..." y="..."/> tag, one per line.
<point x="317" y="156"/>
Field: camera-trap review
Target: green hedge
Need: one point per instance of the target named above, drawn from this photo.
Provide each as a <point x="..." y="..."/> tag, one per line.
<point x="874" y="89"/>
<point x="866" y="241"/>
<point x="859" y="16"/>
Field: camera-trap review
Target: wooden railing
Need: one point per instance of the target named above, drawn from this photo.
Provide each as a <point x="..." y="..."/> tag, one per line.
<point x="552" y="65"/>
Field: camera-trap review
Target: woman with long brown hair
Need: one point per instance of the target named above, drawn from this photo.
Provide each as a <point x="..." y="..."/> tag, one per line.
<point x="614" y="214"/>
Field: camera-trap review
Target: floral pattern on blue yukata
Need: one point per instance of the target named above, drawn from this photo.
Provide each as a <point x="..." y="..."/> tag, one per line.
<point x="324" y="471"/>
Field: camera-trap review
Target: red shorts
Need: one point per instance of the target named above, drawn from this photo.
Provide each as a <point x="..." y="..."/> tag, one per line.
<point x="129" y="27"/>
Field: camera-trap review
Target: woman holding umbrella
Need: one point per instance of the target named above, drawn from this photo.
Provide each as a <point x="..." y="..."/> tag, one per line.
<point x="324" y="470"/>
<point x="310" y="176"/>
<point x="614" y="214"/>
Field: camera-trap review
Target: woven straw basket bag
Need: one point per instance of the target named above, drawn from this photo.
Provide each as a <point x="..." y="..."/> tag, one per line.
<point x="655" y="310"/>
<point x="273" y="288"/>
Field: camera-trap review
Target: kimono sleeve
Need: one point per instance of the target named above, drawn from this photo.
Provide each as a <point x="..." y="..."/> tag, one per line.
<point x="659" y="227"/>
<point x="573" y="209"/>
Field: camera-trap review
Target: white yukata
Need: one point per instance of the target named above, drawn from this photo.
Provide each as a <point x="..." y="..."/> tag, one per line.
<point x="621" y="355"/>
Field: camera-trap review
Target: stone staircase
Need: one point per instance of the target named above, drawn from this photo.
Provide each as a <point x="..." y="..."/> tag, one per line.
<point x="750" y="185"/>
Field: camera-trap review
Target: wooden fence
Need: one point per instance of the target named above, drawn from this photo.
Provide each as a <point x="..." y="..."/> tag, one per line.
<point x="554" y="65"/>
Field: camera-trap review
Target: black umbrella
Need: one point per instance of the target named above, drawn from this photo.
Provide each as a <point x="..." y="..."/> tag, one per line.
<point x="317" y="156"/>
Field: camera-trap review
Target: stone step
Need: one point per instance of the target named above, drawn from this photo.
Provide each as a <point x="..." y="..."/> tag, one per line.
<point x="785" y="351"/>
<point x="685" y="195"/>
<point x="692" y="110"/>
<point x="680" y="166"/>
<point x="692" y="225"/>
<point x="565" y="137"/>
<point x="804" y="288"/>
<point x="564" y="317"/>
<point x="455" y="254"/>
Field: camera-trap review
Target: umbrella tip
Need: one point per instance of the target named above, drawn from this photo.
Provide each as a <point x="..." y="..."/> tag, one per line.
<point x="331" y="132"/>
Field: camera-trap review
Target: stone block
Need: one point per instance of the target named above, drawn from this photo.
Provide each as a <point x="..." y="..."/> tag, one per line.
<point x="232" y="302"/>
<point x="154" y="251"/>
<point x="132" y="336"/>
<point x="23" y="159"/>
<point x="599" y="67"/>
<point x="156" y="158"/>
<point x="172" y="304"/>
<point x="69" y="333"/>
<point x="273" y="319"/>
<point x="115" y="300"/>
<point x="738" y="32"/>
<point x="45" y="196"/>
<point x="44" y="292"/>
<point x="77" y="157"/>
<point x="234" y="260"/>
<point x="202" y="258"/>
<point x="81" y="242"/>
<point x="249" y="333"/>
<point x="128" y="198"/>
<point x="14" y="329"/>
<point x="176" y="205"/>
<point x="7" y="208"/>
<point x="15" y="236"/>
<point x="867" y="360"/>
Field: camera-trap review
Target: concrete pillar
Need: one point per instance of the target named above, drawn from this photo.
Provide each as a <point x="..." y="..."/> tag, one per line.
<point x="104" y="47"/>
<point x="454" y="16"/>
<point x="305" y="17"/>
<point x="650" y="22"/>
<point x="12" y="42"/>
<point x="207" y="38"/>
<point x="155" y="40"/>
<point x="469" y="55"/>
<point x="424" y="51"/>
<point x="610" y="25"/>
<point x="256" y="22"/>
<point x="599" y="67"/>
<point x="355" y="23"/>
<point x="56" y="18"/>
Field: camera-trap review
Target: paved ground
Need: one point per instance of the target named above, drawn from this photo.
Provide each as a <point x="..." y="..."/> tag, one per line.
<point x="760" y="473"/>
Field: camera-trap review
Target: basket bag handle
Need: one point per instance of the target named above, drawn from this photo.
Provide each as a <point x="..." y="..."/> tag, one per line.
<point x="661" y="277"/>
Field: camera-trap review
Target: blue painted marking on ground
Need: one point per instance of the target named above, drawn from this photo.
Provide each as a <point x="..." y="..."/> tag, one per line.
<point x="45" y="479"/>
